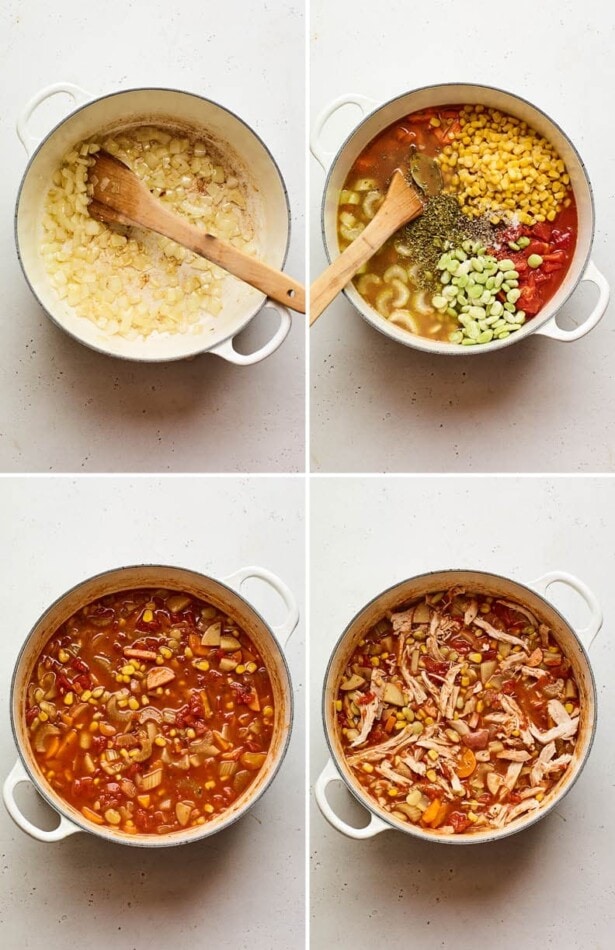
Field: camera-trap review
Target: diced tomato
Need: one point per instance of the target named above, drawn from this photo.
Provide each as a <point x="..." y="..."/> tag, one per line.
<point x="460" y="645"/>
<point x="542" y="231"/>
<point x="459" y="821"/>
<point x="529" y="301"/>
<point x="433" y="666"/>
<point x="509" y="687"/>
<point x="364" y="700"/>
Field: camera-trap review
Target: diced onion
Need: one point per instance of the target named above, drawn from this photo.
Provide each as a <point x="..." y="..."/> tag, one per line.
<point x="130" y="282"/>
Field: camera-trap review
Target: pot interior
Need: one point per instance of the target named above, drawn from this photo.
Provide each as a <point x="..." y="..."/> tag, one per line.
<point x="482" y="583"/>
<point x="461" y="94"/>
<point x="239" y="147"/>
<point x="185" y="581"/>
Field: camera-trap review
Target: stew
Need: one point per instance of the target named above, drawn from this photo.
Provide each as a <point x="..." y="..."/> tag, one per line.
<point x="458" y="712"/>
<point x="150" y="711"/>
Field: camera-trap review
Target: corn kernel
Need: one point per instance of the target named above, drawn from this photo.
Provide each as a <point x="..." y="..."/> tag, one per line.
<point x="43" y="717"/>
<point x="93" y="727"/>
<point x="86" y="694"/>
<point x="476" y="657"/>
<point x="367" y="767"/>
<point x="428" y="721"/>
<point x="209" y="809"/>
<point x="251" y="667"/>
<point x="63" y="656"/>
<point x="160" y="741"/>
<point x="539" y="797"/>
<point x="338" y="705"/>
<point x="240" y="668"/>
<point x="392" y="792"/>
<point x="166" y="653"/>
<point x="375" y="661"/>
<point x="204" y="666"/>
<point x="188" y="653"/>
<point x="431" y="775"/>
<point x="191" y="733"/>
<point x="127" y="670"/>
<point x="209" y="785"/>
<point x="569" y="707"/>
<point x="145" y="700"/>
<point x="268" y="711"/>
<point x="399" y="725"/>
<point x="133" y="703"/>
<point x="472" y="816"/>
<point x="148" y="616"/>
<point x="69" y="699"/>
<point x="433" y="755"/>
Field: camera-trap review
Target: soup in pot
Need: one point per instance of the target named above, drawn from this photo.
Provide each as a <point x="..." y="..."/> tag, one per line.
<point x="150" y="711"/>
<point x="489" y="250"/>
<point x="458" y="712"/>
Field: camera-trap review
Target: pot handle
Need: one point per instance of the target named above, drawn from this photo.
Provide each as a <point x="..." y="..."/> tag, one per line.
<point x="228" y="352"/>
<point x="322" y="156"/>
<point x="77" y="94"/>
<point x="283" y="630"/>
<point x="328" y="775"/>
<point x="586" y="634"/>
<point x="551" y="328"/>
<point x="16" y="776"/>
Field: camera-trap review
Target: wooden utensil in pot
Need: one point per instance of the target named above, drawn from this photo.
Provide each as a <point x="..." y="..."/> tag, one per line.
<point x="119" y="197"/>
<point x="401" y="204"/>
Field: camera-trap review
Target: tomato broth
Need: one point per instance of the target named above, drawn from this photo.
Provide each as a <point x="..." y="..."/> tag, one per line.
<point x="150" y="711"/>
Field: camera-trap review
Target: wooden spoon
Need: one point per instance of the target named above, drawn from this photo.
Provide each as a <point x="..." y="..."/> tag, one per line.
<point x="119" y="197"/>
<point x="401" y="204"/>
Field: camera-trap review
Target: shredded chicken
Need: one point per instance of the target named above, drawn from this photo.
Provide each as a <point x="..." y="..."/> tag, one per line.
<point x="419" y="767"/>
<point x="448" y="696"/>
<point x="512" y="774"/>
<point x="386" y="771"/>
<point x="497" y="634"/>
<point x="401" y="739"/>
<point x="471" y="613"/>
<point x="520" y="610"/>
<point x="370" y="710"/>
<point x="514" y="755"/>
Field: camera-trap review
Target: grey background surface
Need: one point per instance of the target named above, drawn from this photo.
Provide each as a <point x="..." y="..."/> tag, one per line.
<point x="66" y="408"/>
<point x="241" y="888"/>
<point x="537" y="406"/>
<point x="550" y="886"/>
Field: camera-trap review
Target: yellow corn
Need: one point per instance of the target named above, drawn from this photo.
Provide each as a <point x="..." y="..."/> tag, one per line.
<point x="210" y="784"/>
<point x="475" y="657"/>
<point x="251" y="667"/>
<point x="338" y="705"/>
<point x="268" y="711"/>
<point x="69" y="699"/>
<point x="148" y="616"/>
<point x="86" y="694"/>
<point x="392" y="792"/>
<point x="431" y="775"/>
<point x="166" y="653"/>
<point x="43" y="716"/>
<point x="500" y="159"/>
<point x="433" y="755"/>
<point x="160" y="740"/>
<point x="240" y="669"/>
<point x="367" y="767"/>
<point x="204" y="666"/>
<point x="133" y="703"/>
<point x="375" y="661"/>
<point x="209" y="809"/>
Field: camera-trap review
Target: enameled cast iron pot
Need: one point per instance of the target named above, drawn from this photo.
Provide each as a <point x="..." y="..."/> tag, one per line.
<point x="166" y="107"/>
<point x="378" y="117"/>
<point x="574" y="646"/>
<point x="222" y="594"/>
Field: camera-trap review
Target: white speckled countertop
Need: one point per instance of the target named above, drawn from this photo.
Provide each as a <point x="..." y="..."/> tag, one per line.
<point x="550" y="886"/>
<point x="65" y="408"/>
<point x="242" y="888"/>
<point x="537" y="406"/>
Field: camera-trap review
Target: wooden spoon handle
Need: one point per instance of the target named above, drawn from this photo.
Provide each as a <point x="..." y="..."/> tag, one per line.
<point x="280" y="287"/>
<point x="326" y="287"/>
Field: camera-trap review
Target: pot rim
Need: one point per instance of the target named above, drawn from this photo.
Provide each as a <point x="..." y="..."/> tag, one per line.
<point x="143" y="841"/>
<point x="495" y="344"/>
<point x="525" y="821"/>
<point x="80" y="108"/>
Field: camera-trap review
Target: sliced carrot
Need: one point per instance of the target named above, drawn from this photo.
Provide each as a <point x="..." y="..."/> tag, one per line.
<point x="53" y="747"/>
<point x="431" y="812"/>
<point x="91" y="815"/>
<point x="388" y="726"/>
<point x="467" y="764"/>
<point x="442" y="815"/>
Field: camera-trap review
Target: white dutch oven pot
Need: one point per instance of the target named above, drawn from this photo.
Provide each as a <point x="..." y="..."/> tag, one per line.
<point x="222" y="594"/>
<point x="233" y="138"/>
<point x="573" y="644"/>
<point x="378" y="117"/>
